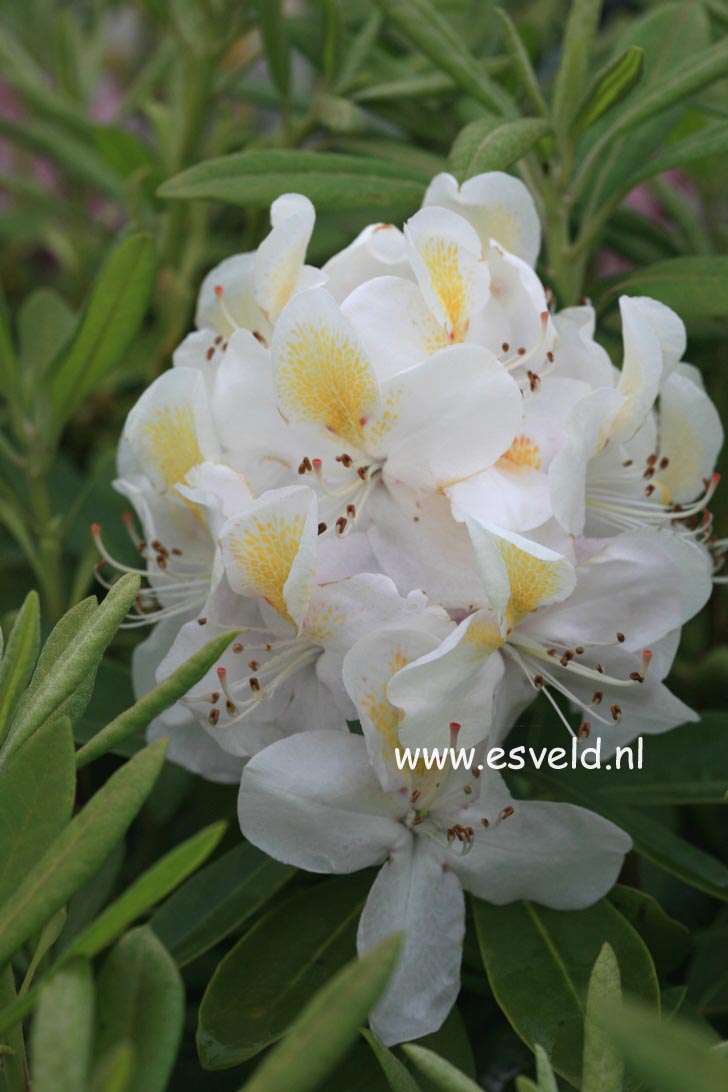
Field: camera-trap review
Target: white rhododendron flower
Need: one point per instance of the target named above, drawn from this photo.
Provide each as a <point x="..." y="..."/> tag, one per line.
<point x="419" y="497"/>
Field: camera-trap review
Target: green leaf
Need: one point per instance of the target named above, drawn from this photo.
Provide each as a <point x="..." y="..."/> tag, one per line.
<point x="134" y="720"/>
<point x="539" y="962"/>
<point x="263" y="982"/>
<point x="45" y="324"/>
<point x="331" y="181"/>
<point x="62" y="1031"/>
<point x="603" y="1066"/>
<point x="438" y="1071"/>
<point x="489" y="145"/>
<point x="62" y="636"/>
<point x="272" y="26"/>
<point x="610" y="86"/>
<point x="37" y="787"/>
<point x="114" y="1072"/>
<point x="9" y="371"/>
<point x="140" y="1000"/>
<point x="218" y="900"/>
<point x="398" y="1076"/>
<point x="576" y="56"/>
<point x="697" y="287"/>
<point x="78" y="851"/>
<point x="109" y="324"/>
<point x="522" y="62"/>
<point x="544" y="1072"/>
<point x="707" y="142"/>
<point x="422" y="23"/>
<point x="49" y="934"/>
<point x="668" y="940"/>
<point x="18" y="661"/>
<point x="151" y="887"/>
<point x="69" y="671"/>
<point x="674" y="1056"/>
<point x="328" y="1024"/>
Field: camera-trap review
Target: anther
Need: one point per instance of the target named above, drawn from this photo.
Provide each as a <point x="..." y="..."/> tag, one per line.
<point x="202" y="621"/>
<point x="321" y="528"/>
<point x="215" y="697"/>
<point x="664" y="462"/>
<point x="254" y="684"/>
<point x="505" y="347"/>
<point x="584" y="730"/>
<point x="579" y="650"/>
<point x="597" y="697"/>
<point x="599" y="668"/>
<point x="253" y="665"/>
<point x="506" y="812"/>
<point x="649" y="490"/>
<point x="616" y="712"/>
<point x="628" y="462"/>
<point x="550" y="357"/>
<point x="538" y="681"/>
<point x="238" y="647"/>
<point x="351" y="511"/>
<point x="651" y="460"/>
<point x="636" y="677"/>
<point x="231" y="707"/>
<point x="620" y="638"/>
<point x="416" y="794"/>
<point x="345" y="460"/>
<point x="341" y="525"/>
<point x="214" y="717"/>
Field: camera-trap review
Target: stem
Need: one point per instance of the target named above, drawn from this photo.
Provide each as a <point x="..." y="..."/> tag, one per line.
<point x="14" y="1063"/>
<point x="565" y="271"/>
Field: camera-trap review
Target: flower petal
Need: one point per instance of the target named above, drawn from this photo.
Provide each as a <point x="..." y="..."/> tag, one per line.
<point x="280" y="257"/>
<point x="691" y="435"/>
<point x="379" y="250"/>
<point x="639" y="382"/>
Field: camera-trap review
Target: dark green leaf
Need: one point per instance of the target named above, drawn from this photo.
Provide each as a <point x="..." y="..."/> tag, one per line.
<point x="610" y="86"/>
<point x="217" y="900"/>
<point x="332" y="181"/>
<point x="63" y="1030"/>
<point x="696" y="287"/>
<point x="78" y="851"/>
<point x="272" y="26"/>
<point x="37" y="787"/>
<point x="603" y="1066"/>
<point x="708" y="142"/>
<point x="140" y="1000"/>
<point x="668" y="940"/>
<point x="109" y="324"/>
<point x="398" y="1076"/>
<point x="576" y="55"/>
<point x="539" y="962"/>
<point x="262" y="983"/>
<point x="45" y="323"/>
<point x="493" y="146"/>
<point x="18" y="661"/>
<point x="328" y="1024"/>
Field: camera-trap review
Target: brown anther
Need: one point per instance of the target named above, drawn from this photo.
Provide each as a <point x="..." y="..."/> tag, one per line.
<point x="620" y="638"/>
<point x="567" y="657"/>
<point x="416" y="794"/>
<point x="538" y="681"/>
<point x="597" y="697"/>
<point x="599" y="668"/>
<point x="476" y="773"/>
<point x="664" y="462"/>
<point x="550" y="651"/>
<point x="521" y="351"/>
<point x="636" y="677"/>
<point x="215" y="697"/>
<point x="579" y="650"/>
<point x="648" y="473"/>
<point x="210" y="353"/>
<point x="223" y="347"/>
<point x="362" y="472"/>
<point x="321" y="528"/>
<point x="534" y="381"/>
<point x="253" y="665"/>
<point x="177" y="552"/>
<point x="416" y="822"/>
<point x="351" y="511"/>
<point x="508" y="811"/>
<point x="305" y="466"/>
<point x="468" y="789"/>
<point x="584" y="730"/>
<point x="615" y="711"/>
<point x="218" y="340"/>
<point x="161" y="560"/>
<point x="649" y="490"/>
<point x="254" y="684"/>
<point x="628" y="462"/>
<point x="238" y="647"/>
<point x="485" y="822"/>
<point x="345" y="460"/>
<point x="231" y="708"/>
<point x="550" y="357"/>
<point x="202" y="621"/>
<point x="341" y="524"/>
<point x="505" y="346"/>
<point x="214" y="716"/>
<point x="258" y="336"/>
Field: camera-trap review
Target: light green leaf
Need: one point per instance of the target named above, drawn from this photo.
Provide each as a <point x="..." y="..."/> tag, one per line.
<point x="422" y="23"/>
<point x="331" y="181"/>
<point x="610" y="86"/>
<point x="73" y="154"/>
<point x="272" y="26"/>
<point x="539" y="962"/>
<point x="674" y="1056"/>
<point x="576" y="59"/>
<point x="522" y="62"/>
<point x="708" y="142"/>
<point x="328" y="1024"/>
<point x="668" y="940"/>
<point x="45" y="323"/>
<point x="263" y="982"/>
<point x="432" y="83"/>
<point x="62" y="1030"/>
<point x="70" y="670"/>
<point x="62" y="636"/>
<point x="114" y="1072"/>
<point x="696" y="287"/>
<point x="140" y="999"/>
<point x="525" y="1084"/>
<point x="48" y="936"/>
<point x="134" y="720"/>
<point x="37" y="788"/>
<point x="398" y="1076"/>
<point x="603" y="1066"/>
<point x="78" y="851"/>
<point x="18" y="661"/>
<point x="217" y="900"/>
<point x="152" y="886"/>
<point x="489" y="145"/>
<point x="544" y="1071"/>
<point x="108" y="325"/>
<point x="441" y="1073"/>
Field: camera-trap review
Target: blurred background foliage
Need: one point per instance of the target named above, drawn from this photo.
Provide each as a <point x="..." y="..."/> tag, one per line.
<point x="122" y="182"/>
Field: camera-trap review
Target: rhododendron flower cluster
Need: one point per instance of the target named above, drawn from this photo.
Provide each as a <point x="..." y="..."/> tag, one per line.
<point x="423" y="498"/>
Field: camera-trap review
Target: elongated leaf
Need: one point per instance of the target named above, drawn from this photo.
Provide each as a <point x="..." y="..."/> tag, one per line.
<point x="151" y="887"/>
<point x="674" y="1057"/>
<point x="217" y="900"/>
<point x="708" y="142"/>
<point x="140" y="1000"/>
<point x="576" y="50"/>
<point x="62" y="636"/>
<point x="37" y="787"/>
<point x="493" y="146"/>
<point x="440" y="1073"/>
<point x="697" y="287"/>
<point x="603" y="1066"/>
<point x="63" y="1029"/>
<point x="114" y="1072"/>
<point x="134" y="720"/>
<point x="71" y="153"/>
<point x="18" y="661"/>
<point x="544" y="1071"/>
<point x="78" y="850"/>
<point x="263" y="982"/>
<point x="398" y="1076"/>
<point x="610" y="86"/>
<point x="45" y="324"/>
<point x="69" y="671"/>
<point x="9" y="372"/>
<point x="254" y="179"/>
<point x="48" y="936"/>
<point x="539" y="962"/>
<point x="422" y="23"/>
<point x="272" y="25"/>
<point x="109" y="324"/>
<point x="328" y="1024"/>
<point x="524" y="70"/>
<point x="668" y="940"/>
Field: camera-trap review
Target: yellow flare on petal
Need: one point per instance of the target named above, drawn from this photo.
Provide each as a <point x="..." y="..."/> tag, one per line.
<point x="482" y="638"/>
<point x="384" y="716"/>
<point x="448" y="283"/>
<point x="168" y="439"/>
<point x="265" y="551"/>
<point x="533" y="579"/>
<point x="524" y="452"/>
